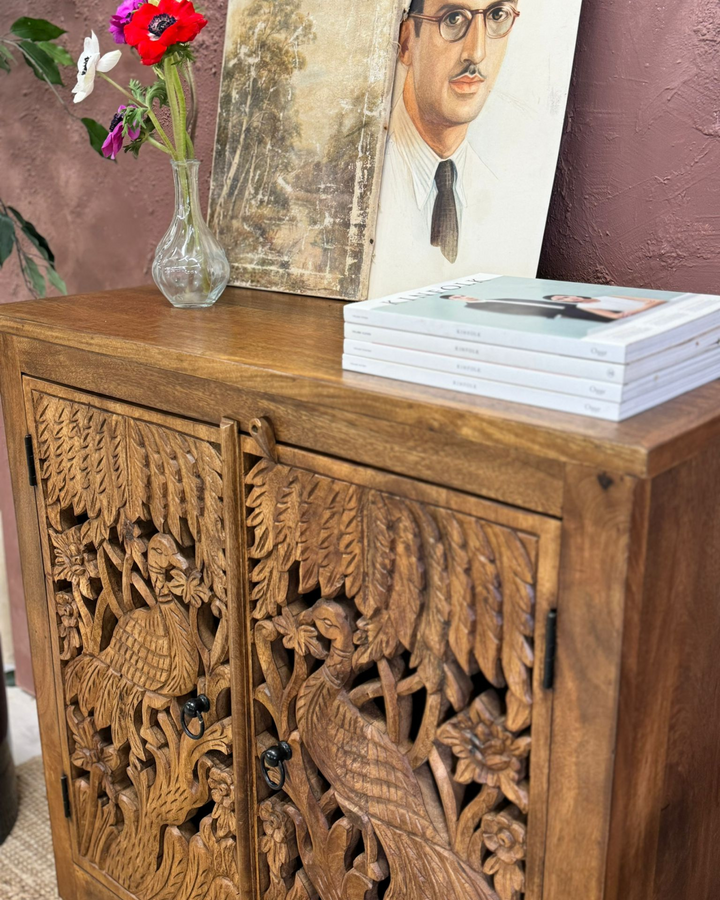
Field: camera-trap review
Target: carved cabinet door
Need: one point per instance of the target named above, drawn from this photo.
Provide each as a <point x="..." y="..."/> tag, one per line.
<point x="133" y="509"/>
<point x="397" y="633"/>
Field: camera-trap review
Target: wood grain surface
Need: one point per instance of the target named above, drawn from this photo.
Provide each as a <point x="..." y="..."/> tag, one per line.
<point x="292" y="345"/>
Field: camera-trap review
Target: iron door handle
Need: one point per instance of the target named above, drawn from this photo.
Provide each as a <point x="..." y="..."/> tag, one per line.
<point x="194" y="709"/>
<point x="274" y="757"/>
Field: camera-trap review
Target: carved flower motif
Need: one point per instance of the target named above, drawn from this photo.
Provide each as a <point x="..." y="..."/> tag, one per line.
<point x="276" y="842"/>
<point x="190" y="587"/>
<point x="487" y="752"/>
<point x="505" y="837"/>
<point x="73" y="562"/>
<point x="68" y="631"/>
<point x="221" y="784"/>
<point x="101" y="760"/>
<point x="303" y="639"/>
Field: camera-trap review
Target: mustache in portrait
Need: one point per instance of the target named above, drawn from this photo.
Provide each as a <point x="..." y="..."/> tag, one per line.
<point x="471" y="69"/>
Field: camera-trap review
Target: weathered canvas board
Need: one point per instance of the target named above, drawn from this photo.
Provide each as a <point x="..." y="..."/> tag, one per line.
<point x="478" y="112"/>
<point x="304" y="105"/>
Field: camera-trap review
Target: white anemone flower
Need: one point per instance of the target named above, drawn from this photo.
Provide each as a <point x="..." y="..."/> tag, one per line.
<point x="89" y="64"/>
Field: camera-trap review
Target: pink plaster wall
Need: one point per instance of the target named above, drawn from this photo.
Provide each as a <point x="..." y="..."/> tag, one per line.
<point x="103" y="219"/>
<point x="636" y="199"/>
<point x="637" y="194"/>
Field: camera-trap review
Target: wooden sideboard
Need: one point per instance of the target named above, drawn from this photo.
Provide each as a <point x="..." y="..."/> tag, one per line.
<point x="477" y="642"/>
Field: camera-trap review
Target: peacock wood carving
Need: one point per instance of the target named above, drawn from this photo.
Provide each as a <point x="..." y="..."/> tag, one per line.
<point x="134" y="514"/>
<point x="395" y="643"/>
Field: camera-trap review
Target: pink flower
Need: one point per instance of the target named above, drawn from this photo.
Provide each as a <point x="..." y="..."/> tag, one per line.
<point x="114" y="141"/>
<point x="122" y="16"/>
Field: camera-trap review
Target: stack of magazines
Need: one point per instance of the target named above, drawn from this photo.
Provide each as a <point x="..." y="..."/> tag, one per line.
<point x="594" y="350"/>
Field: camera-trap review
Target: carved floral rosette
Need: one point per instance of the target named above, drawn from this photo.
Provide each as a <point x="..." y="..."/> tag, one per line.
<point x="394" y="641"/>
<point x="134" y="517"/>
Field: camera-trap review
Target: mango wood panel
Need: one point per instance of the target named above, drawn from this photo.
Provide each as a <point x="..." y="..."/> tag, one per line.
<point x="397" y="648"/>
<point x="442" y="456"/>
<point x="603" y="527"/>
<point x="291" y="346"/>
<point x="666" y="800"/>
<point x="132" y="527"/>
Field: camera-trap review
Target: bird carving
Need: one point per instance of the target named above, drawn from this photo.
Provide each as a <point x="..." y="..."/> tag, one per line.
<point x="372" y="777"/>
<point x="151" y="652"/>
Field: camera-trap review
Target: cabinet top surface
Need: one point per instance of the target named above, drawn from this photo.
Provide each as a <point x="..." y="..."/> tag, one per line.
<point x="295" y="344"/>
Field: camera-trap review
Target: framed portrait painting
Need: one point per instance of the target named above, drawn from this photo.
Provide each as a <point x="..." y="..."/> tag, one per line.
<point x="366" y="147"/>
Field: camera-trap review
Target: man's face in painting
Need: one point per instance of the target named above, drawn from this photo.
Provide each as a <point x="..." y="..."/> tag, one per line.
<point x="451" y="80"/>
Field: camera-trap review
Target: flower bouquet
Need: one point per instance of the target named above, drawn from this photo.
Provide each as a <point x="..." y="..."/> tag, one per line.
<point x="190" y="267"/>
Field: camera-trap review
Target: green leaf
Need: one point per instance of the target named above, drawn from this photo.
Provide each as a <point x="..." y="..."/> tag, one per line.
<point x="137" y="90"/>
<point x="36" y="29"/>
<point x="97" y="134"/>
<point x="59" y="54"/>
<point x="40" y="62"/>
<point x="34" y="236"/>
<point x="6" y="58"/>
<point x="55" y="280"/>
<point x="157" y="91"/>
<point x="38" y="282"/>
<point x="7" y="237"/>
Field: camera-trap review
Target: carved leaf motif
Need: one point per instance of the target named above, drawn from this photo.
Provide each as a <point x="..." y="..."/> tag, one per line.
<point x="379" y="555"/>
<point x="210" y="540"/>
<point x="408" y="579"/>
<point x="296" y="486"/>
<point x="262" y="500"/>
<point x="312" y="503"/>
<point x="138" y="472"/>
<point x="331" y="569"/>
<point x="351" y="540"/>
<point x="487" y="601"/>
<point x="270" y="587"/>
<point x="432" y="634"/>
<point x="462" y="610"/>
<point x="518" y="593"/>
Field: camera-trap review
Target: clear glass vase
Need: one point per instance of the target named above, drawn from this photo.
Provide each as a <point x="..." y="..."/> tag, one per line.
<point x="190" y="266"/>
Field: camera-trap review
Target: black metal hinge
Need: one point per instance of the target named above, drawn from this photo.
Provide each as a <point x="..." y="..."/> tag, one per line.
<point x="66" y="796"/>
<point x="30" y="456"/>
<point x="550" y="648"/>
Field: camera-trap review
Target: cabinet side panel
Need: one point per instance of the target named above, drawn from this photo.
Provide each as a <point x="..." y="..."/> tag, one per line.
<point x="603" y="512"/>
<point x="667" y="794"/>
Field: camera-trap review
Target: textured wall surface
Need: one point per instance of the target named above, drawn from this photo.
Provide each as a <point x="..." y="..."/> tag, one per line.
<point x="636" y="200"/>
<point x="637" y="195"/>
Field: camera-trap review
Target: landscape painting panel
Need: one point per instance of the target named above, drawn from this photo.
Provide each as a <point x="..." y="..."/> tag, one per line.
<point x="304" y="106"/>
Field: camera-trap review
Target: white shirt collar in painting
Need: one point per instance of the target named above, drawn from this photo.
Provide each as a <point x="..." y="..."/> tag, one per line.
<point x="421" y="160"/>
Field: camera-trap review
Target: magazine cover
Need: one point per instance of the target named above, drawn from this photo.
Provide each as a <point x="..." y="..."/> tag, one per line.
<point x="584" y="320"/>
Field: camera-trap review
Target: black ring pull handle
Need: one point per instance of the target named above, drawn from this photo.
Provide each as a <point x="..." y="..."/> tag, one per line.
<point x="274" y="757"/>
<point x="194" y="709"/>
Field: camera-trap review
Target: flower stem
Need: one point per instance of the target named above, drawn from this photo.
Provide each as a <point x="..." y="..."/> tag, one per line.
<point x="175" y="112"/>
<point x="193" y="106"/>
<point x="151" y="114"/>
<point x="121" y="89"/>
<point x="157" y="144"/>
<point x="180" y="94"/>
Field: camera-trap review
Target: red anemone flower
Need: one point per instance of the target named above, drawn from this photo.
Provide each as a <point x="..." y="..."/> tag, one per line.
<point x="153" y="29"/>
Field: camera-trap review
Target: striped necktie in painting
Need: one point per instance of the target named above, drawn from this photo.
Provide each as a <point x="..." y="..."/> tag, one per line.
<point x="444" y="227"/>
